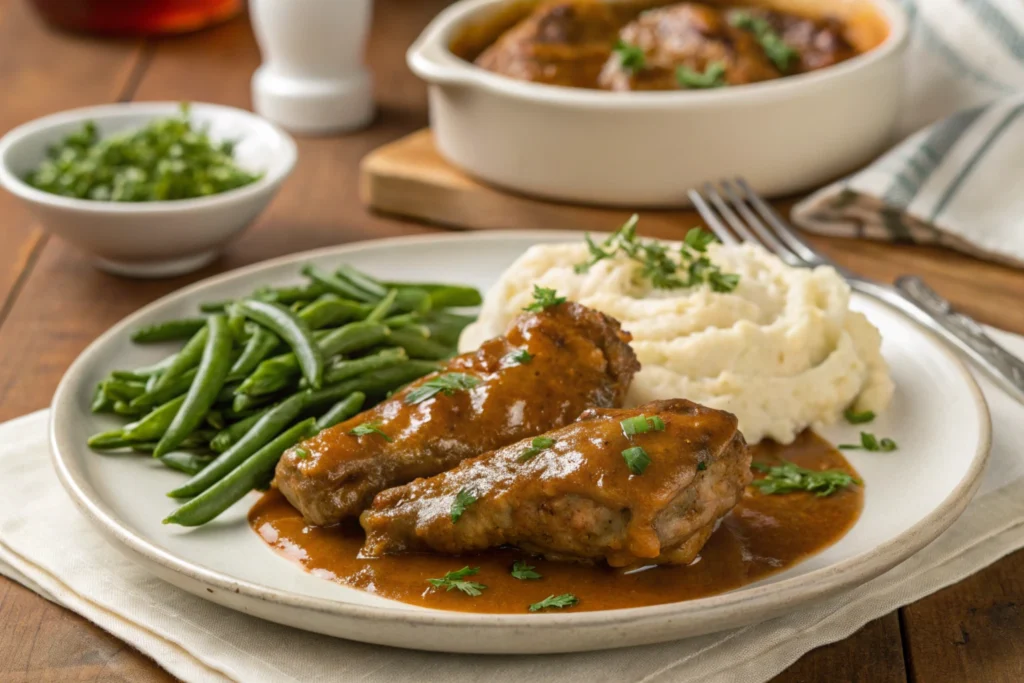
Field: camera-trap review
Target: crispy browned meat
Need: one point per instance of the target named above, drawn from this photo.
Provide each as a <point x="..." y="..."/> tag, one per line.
<point x="580" y="358"/>
<point x="560" y="43"/>
<point x="694" y="35"/>
<point x="577" y="499"/>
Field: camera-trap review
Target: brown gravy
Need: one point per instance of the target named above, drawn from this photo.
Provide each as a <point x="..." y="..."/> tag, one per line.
<point x="763" y="535"/>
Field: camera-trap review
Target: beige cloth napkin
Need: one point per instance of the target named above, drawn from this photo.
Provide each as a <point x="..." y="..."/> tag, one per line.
<point x="46" y="545"/>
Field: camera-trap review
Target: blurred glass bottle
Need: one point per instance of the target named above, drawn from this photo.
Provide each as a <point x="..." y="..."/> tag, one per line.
<point x="136" y="17"/>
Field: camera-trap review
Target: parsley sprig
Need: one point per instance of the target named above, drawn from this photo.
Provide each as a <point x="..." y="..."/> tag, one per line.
<point x="631" y="57"/>
<point x="454" y="581"/>
<point x="712" y="77"/>
<point x="559" y="601"/>
<point x="463" y="499"/>
<point x="523" y="571"/>
<point x="446" y="384"/>
<point x="544" y="297"/>
<point x="856" y="418"/>
<point x="789" y="477"/>
<point x="518" y="357"/>
<point x="538" y="444"/>
<point x="870" y="442"/>
<point x="368" y="428"/>
<point x="690" y="268"/>
<point x="775" y="48"/>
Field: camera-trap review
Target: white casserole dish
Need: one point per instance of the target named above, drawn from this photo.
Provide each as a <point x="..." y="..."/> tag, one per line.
<point x="646" y="149"/>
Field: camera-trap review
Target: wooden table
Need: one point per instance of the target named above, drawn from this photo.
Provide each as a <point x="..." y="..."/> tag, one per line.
<point x="53" y="303"/>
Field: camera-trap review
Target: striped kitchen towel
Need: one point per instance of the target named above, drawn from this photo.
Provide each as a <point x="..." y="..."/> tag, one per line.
<point x="958" y="182"/>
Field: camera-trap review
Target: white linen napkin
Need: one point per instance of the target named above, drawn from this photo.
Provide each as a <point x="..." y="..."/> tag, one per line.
<point x="957" y="182"/>
<point x="49" y="547"/>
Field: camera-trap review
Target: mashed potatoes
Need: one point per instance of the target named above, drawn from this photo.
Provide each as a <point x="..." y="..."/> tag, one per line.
<point x="782" y="351"/>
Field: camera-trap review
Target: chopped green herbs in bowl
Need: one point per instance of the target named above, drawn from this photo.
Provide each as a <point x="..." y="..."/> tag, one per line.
<point x="149" y="189"/>
<point x="169" y="158"/>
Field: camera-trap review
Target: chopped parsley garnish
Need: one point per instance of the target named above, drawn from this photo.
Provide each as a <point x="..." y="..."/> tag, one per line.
<point x="368" y="428"/>
<point x="870" y="442"/>
<point x="636" y="459"/>
<point x="641" y="424"/>
<point x="713" y="76"/>
<point x="538" y="444"/>
<point x="559" y="601"/>
<point x="701" y="466"/>
<point x="855" y="418"/>
<point x="523" y="571"/>
<point x="301" y="453"/>
<point x="446" y="384"/>
<point x="775" y="48"/>
<point x="519" y="357"/>
<point x="788" y="477"/>
<point x="690" y="267"/>
<point x="544" y="298"/>
<point x="463" y="499"/>
<point x="167" y="159"/>
<point x="631" y="57"/>
<point x="454" y="581"/>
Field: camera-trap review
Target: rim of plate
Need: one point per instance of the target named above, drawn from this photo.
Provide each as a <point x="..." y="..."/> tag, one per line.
<point x="794" y="591"/>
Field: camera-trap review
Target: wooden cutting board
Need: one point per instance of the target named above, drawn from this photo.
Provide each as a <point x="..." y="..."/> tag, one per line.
<point x="409" y="178"/>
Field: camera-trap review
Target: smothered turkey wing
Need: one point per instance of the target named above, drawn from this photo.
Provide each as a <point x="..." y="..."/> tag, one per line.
<point x="548" y="368"/>
<point x="629" y="486"/>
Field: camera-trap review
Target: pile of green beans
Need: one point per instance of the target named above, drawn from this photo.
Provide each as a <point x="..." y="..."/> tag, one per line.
<point x="256" y="375"/>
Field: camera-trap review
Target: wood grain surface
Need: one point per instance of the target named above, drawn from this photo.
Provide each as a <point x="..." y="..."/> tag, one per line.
<point x="53" y="303"/>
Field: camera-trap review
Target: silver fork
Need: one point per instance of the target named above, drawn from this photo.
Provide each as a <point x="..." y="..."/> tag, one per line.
<point x="735" y="213"/>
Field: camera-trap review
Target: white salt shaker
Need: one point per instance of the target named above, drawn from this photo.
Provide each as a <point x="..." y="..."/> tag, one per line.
<point x="313" y="79"/>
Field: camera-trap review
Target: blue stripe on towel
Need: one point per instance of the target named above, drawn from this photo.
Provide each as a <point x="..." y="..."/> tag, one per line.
<point x="954" y="187"/>
<point x="999" y="26"/>
<point x="926" y="158"/>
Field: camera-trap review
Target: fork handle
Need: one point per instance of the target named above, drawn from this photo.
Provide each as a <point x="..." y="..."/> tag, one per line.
<point x="965" y="333"/>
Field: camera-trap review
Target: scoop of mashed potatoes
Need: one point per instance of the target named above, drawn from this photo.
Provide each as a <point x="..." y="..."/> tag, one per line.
<point x="783" y="351"/>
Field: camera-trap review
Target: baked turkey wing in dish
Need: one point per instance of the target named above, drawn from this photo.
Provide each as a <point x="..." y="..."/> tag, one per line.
<point x="630" y="486"/>
<point x="548" y="368"/>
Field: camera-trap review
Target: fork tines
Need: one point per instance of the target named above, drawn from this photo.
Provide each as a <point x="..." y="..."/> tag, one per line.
<point x="735" y="213"/>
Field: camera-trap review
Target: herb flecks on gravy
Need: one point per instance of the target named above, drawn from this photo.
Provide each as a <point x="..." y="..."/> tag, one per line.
<point x="630" y="46"/>
<point x="764" y="534"/>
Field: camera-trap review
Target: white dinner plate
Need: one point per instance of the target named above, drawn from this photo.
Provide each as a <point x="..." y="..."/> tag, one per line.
<point x="938" y="417"/>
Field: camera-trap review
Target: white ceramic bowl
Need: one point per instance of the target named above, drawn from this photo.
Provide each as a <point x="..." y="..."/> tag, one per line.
<point x="646" y="149"/>
<point x="150" y="239"/>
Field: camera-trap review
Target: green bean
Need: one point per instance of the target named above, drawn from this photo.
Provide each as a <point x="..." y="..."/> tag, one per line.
<point x="289" y="295"/>
<point x="236" y="324"/>
<point x="170" y="330"/>
<point x="294" y="331"/>
<point x="417" y="346"/>
<point x="198" y="440"/>
<point x="402" y="320"/>
<point x="186" y="359"/>
<point x="106" y="441"/>
<point x="261" y="344"/>
<point x="342" y="410"/>
<point x="376" y="384"/>
<point x="126" y="410"/>
<point x="362" y="281"/>
<point x="129" y="376"/>
<point x="215" y="306"/>
<point x="215" y="419"/>
<point x="242" y="479"/>
<point x="280" y="372"/>
<point x="443" y="295"/>
<point x="213" y="370"/>
<point x="331" y="310"/>
<point x="243" y="403"/>
<point x="344" y="369"/>
<point x="122" y="390"/>
<point x="101" y="403"/>
<point x="226" y="437"/>
<point x="153" y="425"/>
<point x="263" y="431"/>
<point x="445" y="328"/>
<point x="175" y="387"/>
<point x="148" y="371"/>
<point x="383" y="307"/>
<point x="189" y="463"/>
<point x="339" y="286"/>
